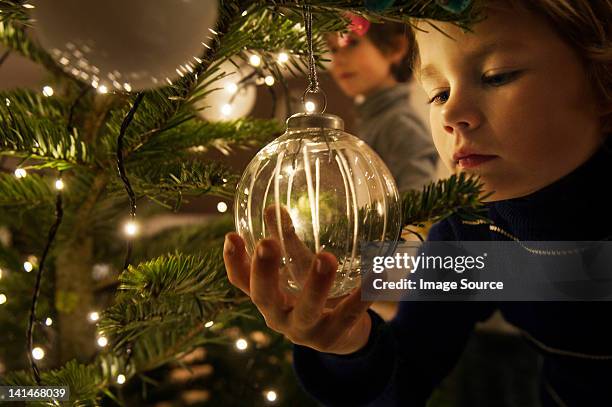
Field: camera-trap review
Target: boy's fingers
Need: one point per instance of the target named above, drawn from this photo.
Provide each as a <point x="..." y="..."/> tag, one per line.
<point x="237" y="262"/>
<point x="265" y="289"/>
<point x="312" y="299"/>
<point x="301" y="256"/>
<point x="348" y="312"/>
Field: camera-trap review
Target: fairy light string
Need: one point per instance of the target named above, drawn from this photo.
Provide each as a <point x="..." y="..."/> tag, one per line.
<point x="59" y="214"/>
<point x="4" y="56"/>
<point x="122" y="173"/>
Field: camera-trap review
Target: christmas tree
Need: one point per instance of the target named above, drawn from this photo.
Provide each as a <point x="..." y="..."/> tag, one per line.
<point x="80" y="309"/>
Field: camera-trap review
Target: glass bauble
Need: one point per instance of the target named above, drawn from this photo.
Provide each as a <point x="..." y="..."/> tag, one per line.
<point x="230" y="97"/>
<point x="318" y="188"/>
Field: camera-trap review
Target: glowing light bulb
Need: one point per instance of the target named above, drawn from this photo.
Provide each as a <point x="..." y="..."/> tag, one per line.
<point x="120" y="379"/>
<point x="271" y="395"/>
<point x="93" y="316"/>
<point x="47" y="91"/>
<point x="127" y="87"/>
<point x="102" y="341"/>
<point x="131" y="228"/>
<point x="48" y="322"/>
<point x="232" y="88"/>
<point x="28" y="5"/>
<point x="209" y="324"/>
<point x="255" y="60"/>
<point x="222" y="207"/>
<point x="20" y="173"/>
<point x="0" y="274"/>
<point x="59" y="184"/>
<point x="102" y="89"/>
<point x="27" y="266"/>
<point x="38" y="353"/>
<point x="283" y="57"/>
<point x="242" y="344"/>
<point x="2" y="299"/>
<point x="226" y="109"/>
<point x="310" y="106"/>
<point x="269" y="80"/>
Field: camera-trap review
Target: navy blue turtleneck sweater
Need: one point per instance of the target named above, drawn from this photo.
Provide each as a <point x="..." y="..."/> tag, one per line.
<point x="406" y="358"/>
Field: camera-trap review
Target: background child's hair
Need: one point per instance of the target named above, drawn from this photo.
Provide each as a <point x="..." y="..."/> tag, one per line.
<point x="386" y="37"/>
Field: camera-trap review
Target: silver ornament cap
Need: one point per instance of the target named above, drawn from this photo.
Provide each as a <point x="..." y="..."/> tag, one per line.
<point x="315" y="120"/>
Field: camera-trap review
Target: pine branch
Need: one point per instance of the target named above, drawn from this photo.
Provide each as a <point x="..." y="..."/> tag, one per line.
<point x="177" y="275"/>
<point x="159" y="111"/>
<point x="196" y="135"/>
<point x="160" y="313"/>
<point x="30" y="191"/>
<point x="401" y="10"/>
<point x="13" y="11"/>
<point x="34" y="104"/>
<point x="459" y="194"/>
<point x="85" y="383"/>
<point x="13" y="35"/>
<point x="165" y="299"/>
<point x="32" y="127"/>
<point x="169" y="182"/>
<point x="267" y="31"/>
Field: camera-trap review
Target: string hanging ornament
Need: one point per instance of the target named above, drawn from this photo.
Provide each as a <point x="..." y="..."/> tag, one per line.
<point x="318" y="188"/>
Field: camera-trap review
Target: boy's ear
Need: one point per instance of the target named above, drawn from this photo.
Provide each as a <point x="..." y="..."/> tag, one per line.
<point x="399" y="51"/>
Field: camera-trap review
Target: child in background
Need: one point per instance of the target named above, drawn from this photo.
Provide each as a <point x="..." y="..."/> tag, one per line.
<point x="523" y="100"/>
<point x="371" y="64"/>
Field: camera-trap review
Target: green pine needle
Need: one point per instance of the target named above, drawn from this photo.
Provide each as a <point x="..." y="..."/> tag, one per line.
<point x="460" y="194"/>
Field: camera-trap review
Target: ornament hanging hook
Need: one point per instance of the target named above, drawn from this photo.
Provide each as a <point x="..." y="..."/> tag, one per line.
<point x="313" y="81"/>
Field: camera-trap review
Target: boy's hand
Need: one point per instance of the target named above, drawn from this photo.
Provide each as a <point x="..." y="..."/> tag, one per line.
<point x="339" y="325"/>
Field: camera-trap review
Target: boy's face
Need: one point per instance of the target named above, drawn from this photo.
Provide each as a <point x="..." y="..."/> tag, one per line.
<point x="512" y="94"/>
<point x="357" y="66"/>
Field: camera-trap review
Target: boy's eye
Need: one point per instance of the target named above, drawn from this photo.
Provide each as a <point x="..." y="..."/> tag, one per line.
<point x="439" y="98"/>
<point x="351" y="42"/>
<point x="500" y="78"/>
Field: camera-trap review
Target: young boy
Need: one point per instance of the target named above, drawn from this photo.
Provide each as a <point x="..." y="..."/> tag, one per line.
<point x="372" y="63"/>
<point x="523" y="100"/>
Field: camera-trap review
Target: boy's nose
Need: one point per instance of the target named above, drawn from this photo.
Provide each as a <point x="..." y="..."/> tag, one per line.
<point x="460" y="114"/>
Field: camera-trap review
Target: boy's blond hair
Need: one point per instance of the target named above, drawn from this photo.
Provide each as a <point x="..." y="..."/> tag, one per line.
<point x="586" y="25"/>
